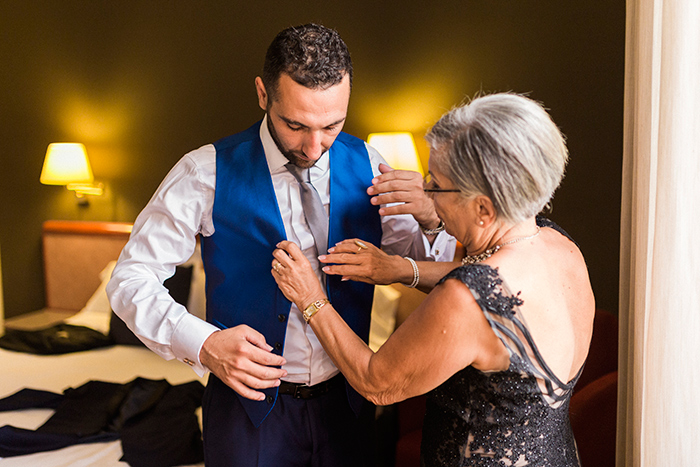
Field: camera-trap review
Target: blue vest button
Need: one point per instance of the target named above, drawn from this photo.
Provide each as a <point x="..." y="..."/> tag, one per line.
<point x="281" y="318"/>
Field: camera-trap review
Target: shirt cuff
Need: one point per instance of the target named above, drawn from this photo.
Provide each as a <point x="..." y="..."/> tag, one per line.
<point x="442" y="249"/>
<point x="188" y="339"/>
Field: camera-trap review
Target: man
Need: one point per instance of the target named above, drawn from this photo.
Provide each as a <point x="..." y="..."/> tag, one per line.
<point x="273" y="396"/>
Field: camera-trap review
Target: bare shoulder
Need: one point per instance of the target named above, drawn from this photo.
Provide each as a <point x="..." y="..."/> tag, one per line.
<point x="461" y="312"/>
<point x="565" y="266"/>
<point x="448" y="312"/>
<point x="447" y="333"/>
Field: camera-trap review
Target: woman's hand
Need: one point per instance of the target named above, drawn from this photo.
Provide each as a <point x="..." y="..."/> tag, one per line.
<point x="295" y="276"/>
<point x="357" y="260"/>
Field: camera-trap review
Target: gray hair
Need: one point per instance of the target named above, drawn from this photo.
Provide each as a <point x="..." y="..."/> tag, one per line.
<point x="504" y="146"/>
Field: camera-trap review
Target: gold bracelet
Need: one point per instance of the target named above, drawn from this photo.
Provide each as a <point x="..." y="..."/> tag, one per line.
<point x="312" y="309"/>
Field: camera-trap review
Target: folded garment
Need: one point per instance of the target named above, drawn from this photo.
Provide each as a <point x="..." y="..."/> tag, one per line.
<point x="58" y="339"/>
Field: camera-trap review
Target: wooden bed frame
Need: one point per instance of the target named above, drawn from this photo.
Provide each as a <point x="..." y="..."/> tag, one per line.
<point x="74" y="254"/>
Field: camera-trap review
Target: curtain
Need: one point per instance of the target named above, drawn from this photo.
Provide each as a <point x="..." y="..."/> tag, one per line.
<point x="658" y="408"/>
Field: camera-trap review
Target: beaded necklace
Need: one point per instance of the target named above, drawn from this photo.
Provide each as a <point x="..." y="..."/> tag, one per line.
<point x="472" y="259"/>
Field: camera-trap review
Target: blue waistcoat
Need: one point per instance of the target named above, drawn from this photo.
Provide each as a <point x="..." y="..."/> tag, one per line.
<point x="247" y="223"/>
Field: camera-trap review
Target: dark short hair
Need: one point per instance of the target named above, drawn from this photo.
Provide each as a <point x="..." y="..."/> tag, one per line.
<point x="312" y="55"/>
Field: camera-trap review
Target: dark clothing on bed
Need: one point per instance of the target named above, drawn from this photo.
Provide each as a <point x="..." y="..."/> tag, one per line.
<point x="54" y="340"/>
<point x="155" y="421"/>
<point x="65" y="338"/>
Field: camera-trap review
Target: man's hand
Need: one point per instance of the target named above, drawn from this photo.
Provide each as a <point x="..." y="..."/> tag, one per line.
<point x="241" y="358"/>
<point x="403" y="186"/>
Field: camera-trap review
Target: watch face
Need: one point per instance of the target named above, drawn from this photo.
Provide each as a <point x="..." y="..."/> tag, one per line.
<point x="313" y="308"/>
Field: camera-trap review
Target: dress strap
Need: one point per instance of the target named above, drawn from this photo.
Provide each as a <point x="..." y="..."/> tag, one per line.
<point x="502" y="310"/>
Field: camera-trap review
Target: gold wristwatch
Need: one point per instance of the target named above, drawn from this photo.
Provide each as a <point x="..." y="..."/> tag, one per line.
<point x="312" y="309"/>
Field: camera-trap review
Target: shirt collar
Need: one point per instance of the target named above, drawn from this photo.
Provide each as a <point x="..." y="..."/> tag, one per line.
<point x="276" y="160"/>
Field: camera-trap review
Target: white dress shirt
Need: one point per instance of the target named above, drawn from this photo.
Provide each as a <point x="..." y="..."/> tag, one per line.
<point x="164" y="236"/>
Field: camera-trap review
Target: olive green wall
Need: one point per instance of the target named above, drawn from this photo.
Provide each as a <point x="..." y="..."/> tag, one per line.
<point x="142" y="82"/>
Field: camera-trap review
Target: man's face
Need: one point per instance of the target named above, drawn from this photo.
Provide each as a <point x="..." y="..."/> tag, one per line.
<point x="304" y="122"/>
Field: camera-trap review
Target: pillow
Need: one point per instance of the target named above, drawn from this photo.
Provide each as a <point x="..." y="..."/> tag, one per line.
<point x="179" y="288"/>
<point x="96" y="313"/>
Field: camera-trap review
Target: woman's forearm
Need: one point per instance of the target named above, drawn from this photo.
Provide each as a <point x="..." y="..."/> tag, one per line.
<point x="354" y="358"/>
<point x="405" y="365"/>
<point x="361" y="261"/>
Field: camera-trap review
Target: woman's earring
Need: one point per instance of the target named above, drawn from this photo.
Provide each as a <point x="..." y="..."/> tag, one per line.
<point x="481" y="222"/>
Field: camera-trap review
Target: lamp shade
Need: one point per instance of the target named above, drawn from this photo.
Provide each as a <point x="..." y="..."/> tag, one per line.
<point x="66" y="163"/>
<point x="398" y="149"/>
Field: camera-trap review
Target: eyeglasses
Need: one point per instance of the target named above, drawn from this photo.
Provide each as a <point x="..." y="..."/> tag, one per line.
<point x="428" y="182"/>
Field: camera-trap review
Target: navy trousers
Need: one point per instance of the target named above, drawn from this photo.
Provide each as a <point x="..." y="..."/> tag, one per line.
<point x="319" y="432"/>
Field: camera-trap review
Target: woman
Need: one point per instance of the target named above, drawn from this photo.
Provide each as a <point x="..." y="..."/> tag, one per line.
<point x="499" y="341"/>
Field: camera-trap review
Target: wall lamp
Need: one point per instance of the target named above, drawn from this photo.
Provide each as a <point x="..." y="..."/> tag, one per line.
<point x="68" y="164"/>
<point x="398" y="149"/>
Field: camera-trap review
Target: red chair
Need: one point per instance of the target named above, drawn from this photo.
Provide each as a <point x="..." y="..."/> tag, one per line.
<point x="593" y="414"/>
<point x="593" y="407"/>
<point x="410" y="420"/>
<point x="602" y="354"/>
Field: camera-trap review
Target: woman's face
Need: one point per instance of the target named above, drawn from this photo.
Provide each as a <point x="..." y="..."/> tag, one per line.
<point x="450" y="206"/>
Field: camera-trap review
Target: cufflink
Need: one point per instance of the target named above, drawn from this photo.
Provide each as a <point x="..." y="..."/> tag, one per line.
<point x="188" y="361"/>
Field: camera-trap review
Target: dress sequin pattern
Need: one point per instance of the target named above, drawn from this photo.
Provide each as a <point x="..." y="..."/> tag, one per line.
<point x="518" y="417"/>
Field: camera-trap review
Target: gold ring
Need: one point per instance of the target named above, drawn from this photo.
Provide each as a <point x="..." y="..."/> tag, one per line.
<point x="277" y="267"/>
<point x="361" y="246"/>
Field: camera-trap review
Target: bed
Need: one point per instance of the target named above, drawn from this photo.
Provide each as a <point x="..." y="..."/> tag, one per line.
<point x="78" y="258"/>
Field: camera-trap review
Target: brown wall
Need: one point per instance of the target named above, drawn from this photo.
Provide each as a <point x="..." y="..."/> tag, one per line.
<point x="142" y="82"/>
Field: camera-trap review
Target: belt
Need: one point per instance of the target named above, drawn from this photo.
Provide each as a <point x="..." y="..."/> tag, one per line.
<point x="302" y="391"/>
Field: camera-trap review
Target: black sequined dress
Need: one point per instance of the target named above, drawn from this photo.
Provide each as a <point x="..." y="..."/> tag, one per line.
<point x="518" y="417"/>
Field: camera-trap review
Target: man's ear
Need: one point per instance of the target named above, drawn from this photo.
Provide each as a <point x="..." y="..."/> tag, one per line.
<point x="262" y="93"/>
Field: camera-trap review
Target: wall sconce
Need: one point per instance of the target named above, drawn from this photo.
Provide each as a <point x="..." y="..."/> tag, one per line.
<point x="399" y="150"/>
<point x="67" y="164"/>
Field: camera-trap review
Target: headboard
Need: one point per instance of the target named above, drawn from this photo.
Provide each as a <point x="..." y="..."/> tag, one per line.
<point x="74" y="254"/>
